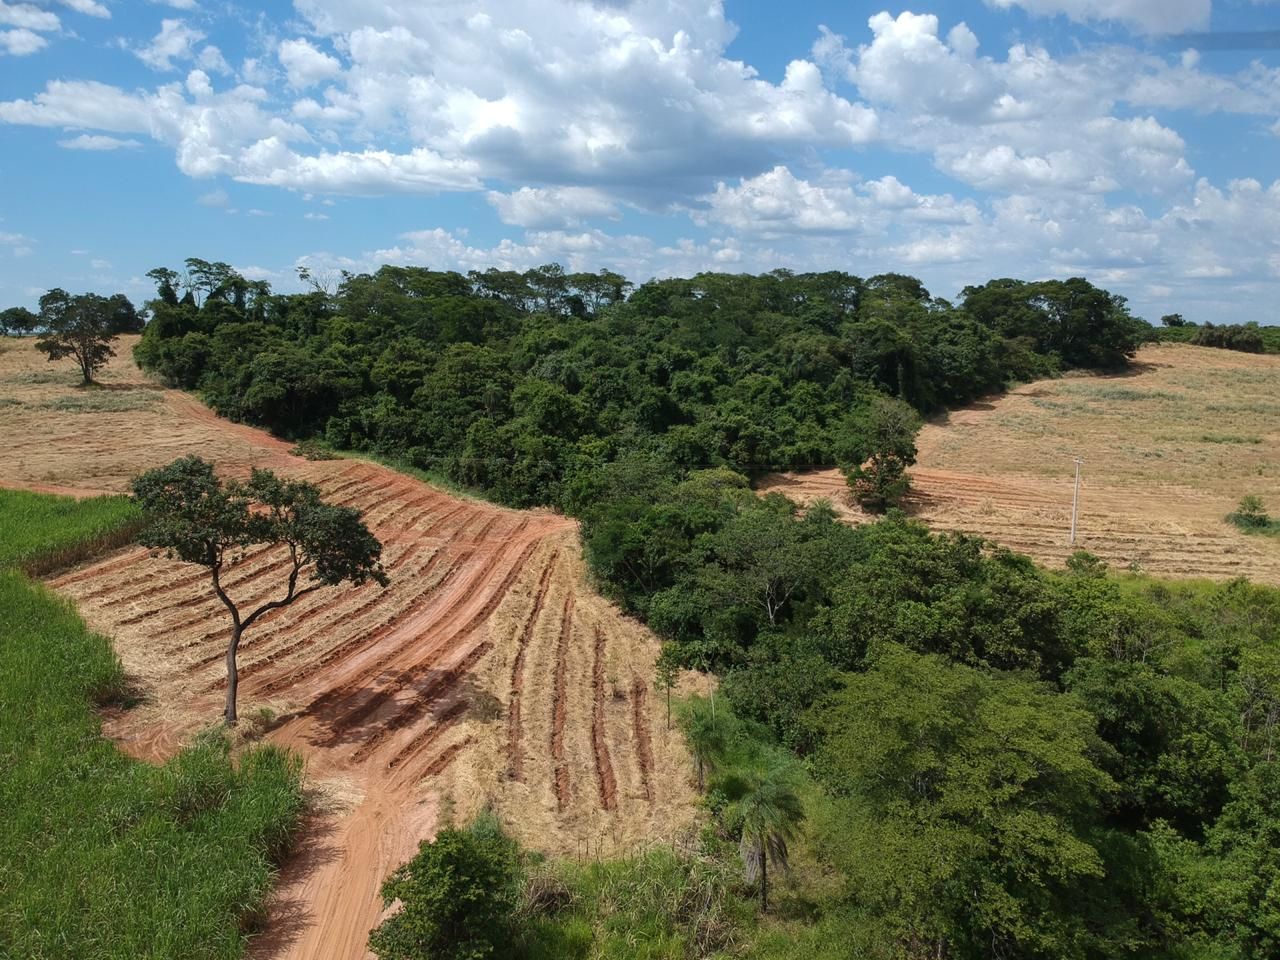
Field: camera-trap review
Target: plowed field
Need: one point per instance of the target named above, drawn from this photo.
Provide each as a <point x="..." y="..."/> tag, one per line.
<point x="1170" y="447"/>
<point x="487" y="673"/>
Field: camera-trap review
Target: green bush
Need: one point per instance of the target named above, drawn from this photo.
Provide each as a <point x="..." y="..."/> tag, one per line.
<point x="1252" y="517"/>
<point x="457" y="897"/>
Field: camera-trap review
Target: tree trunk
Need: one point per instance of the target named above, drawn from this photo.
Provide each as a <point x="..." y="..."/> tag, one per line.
<point x="233" y="678"/>
<point x="764" y="878"/>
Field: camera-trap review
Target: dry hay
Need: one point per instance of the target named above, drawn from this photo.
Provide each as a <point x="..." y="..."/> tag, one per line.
<point x="1170" y="447"/>
<point x="487" y="674"/>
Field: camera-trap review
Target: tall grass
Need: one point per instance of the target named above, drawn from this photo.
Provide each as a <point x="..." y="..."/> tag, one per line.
<point x="658" y="906"/>
<point x="40" y="533"/>
<point x="101" y="856"/>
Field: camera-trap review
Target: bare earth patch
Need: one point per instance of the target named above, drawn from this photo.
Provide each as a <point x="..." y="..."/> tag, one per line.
<point x="487" y="674"/>
<point x="1170" y="447"/>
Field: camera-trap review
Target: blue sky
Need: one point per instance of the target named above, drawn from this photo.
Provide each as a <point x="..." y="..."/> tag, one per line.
<point x="1135" y="142"/>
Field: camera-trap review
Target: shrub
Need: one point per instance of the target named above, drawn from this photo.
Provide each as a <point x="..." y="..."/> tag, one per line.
<point x="1251" y="516"/>
<point x="458" y="897"/>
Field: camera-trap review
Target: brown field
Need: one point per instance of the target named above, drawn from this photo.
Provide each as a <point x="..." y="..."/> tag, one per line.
<point x="487" y="674"/>
<point x="1170" y="447"/>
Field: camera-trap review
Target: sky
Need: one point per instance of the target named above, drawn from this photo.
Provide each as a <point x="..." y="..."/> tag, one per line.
<point x="1134" y="142"/>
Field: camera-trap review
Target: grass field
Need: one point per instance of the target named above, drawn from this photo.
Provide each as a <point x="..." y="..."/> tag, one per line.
<point x="101" y="856"/>
<point x="1169" y="448"/>
<point x="43" y="533"/>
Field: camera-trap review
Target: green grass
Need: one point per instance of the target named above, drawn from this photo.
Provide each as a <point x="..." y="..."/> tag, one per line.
<point x="658" y="906"/>
<point x="42" y="533"/>
<point x="103" y="857"/>
<point x="103" y="401"/>
<point x="1228" y="438"/>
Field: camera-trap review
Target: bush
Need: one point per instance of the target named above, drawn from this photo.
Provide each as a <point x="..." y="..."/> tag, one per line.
<point x="1251" y="516"/>
<point x="458" y="897"/>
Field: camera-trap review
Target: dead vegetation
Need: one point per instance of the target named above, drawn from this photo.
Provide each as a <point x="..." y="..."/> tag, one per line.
<point x="1169" y="447"/>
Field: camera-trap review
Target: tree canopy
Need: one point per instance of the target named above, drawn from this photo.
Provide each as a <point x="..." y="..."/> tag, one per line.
<point x="196" y="517"/>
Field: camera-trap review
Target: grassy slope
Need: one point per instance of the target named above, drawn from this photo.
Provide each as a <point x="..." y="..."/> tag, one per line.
<point x="102" y="856"/>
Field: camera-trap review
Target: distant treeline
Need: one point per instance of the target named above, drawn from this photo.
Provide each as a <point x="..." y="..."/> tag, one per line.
<point x="523" y="384"/>
<point x="1245" y="337"/>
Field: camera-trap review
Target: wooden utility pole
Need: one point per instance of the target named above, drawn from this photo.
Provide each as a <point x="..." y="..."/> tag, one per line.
<point x="1075" y="502"/>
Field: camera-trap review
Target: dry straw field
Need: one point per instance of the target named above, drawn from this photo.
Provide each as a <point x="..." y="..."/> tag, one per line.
<point x="487" y="674"/>
<point x="1170" y="447"/>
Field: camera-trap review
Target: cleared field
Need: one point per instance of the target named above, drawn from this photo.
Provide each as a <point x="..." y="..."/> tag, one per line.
<point x="487" y="673"/>
<point x="1170" y="447"/>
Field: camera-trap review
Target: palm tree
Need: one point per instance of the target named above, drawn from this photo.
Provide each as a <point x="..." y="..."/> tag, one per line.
<point x="706" y="738"/>
<point x="770" y="813"/>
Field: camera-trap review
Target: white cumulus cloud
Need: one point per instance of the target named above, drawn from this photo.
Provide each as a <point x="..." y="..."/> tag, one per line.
<point x="98" y="142"/>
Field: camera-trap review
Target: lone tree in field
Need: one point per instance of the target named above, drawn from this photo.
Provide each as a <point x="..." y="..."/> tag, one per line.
<point x="196" y="517"/>
<point x="888" y="434"/>
<point x="81" y="326"/>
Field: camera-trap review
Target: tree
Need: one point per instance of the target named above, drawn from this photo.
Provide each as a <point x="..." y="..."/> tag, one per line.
<point x="764" y="804"/>
<point x="706" y="736"/>
<point x="457" y="897"/>
<point x="665" y="674"/>
<point x="1173" y="320"/>
<point x="966" y="808"/>
<point x="17" y="321"/>
<point x="888" y="428"/>
<point x="1251" y="514"/>
<point x="78" y="326"/>
<point x="198" y="518"/>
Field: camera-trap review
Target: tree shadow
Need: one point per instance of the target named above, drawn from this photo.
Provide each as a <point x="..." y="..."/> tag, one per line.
<point x="285" y="918"/>
<point x="382" y="706"/>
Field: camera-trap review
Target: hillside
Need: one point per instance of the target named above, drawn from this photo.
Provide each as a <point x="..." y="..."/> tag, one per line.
<point x="487" y="673"/>
<point x="1170" y="447"/>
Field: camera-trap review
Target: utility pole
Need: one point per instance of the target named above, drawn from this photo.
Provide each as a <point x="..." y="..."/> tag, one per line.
<point x="1075" y="502"/>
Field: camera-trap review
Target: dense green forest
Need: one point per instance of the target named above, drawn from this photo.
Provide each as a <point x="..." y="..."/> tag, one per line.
<point x="993" y="760"/>
<point x="523" y="385"/>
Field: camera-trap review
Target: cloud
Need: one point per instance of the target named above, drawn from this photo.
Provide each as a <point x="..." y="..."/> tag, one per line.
<point x="1148" y="16"/>
<point x="778" y="204"/>
<point x="211" y="58"/>
<point x="90" y="8"/>
<point x="21" y="42"/>
<point x="554" y="207"/>
<point x="98" y="142"/>
<point x="1029" y="121"/>
<point x="28" y="16"/>
<point x="214" y="198"/>
<point x="173" y="42"/>
<point x="305" y="65"/>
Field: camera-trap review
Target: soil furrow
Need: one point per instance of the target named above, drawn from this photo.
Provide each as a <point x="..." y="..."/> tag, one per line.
<point x="560" y="707"/>
<point x="605" y="780"/>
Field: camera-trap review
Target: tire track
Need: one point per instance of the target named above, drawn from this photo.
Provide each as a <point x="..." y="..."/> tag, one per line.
<point x="515" y="731"/>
